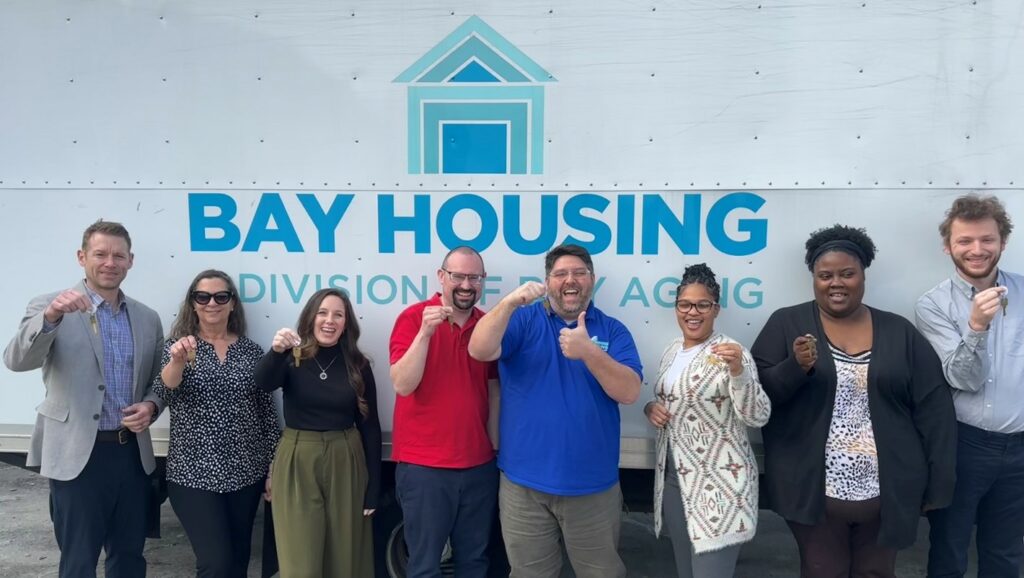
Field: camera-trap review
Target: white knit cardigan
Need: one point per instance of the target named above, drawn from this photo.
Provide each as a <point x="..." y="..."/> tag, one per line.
<point x="710" y="411"/>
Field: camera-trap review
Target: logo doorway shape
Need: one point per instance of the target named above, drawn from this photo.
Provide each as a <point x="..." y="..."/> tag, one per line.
<point x="475" y="106"/>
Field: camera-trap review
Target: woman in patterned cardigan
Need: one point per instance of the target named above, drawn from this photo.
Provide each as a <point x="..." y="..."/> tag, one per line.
<point x="706" y="395"/>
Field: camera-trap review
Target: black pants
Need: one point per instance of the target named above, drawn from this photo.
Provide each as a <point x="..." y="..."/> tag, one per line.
<point x="103" y="508"/>
<point x="438" y="503"/>
<point x="219" y="527"/>
<point x="845" y="544"/>
<point x="990" y="496"/>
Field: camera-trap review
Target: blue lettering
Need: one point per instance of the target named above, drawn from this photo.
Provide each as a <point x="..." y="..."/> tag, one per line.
<point x="199" y="222"/>
<point x="665" y="291"/>
<point x="748" y="299"/>
<point x="326" y="223"/>
<point x="389" y="285"/>
<point x="756" y="229"/>
<point x="626" y="228"/>
<point x="684" y="232"/>
<point x="487" y="290"/>
<point x="389" y="224"/>
<point x="634" y="292"/>
<point x="573" y="215"/>
<point x="244" y="281"/>
<point x="545" y="239"/>
<point x="446" y="221"/>
<point x="271" y="207"/>
<point x="293" y="292"/>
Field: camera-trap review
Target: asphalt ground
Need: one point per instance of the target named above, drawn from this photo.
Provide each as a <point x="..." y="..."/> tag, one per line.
<point x="28" y="549"/>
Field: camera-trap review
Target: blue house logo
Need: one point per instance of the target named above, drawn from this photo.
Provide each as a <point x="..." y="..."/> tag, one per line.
<point x="476" y="105"/>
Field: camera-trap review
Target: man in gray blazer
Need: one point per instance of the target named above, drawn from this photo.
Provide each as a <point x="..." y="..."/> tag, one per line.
<point x="99" y="351"/>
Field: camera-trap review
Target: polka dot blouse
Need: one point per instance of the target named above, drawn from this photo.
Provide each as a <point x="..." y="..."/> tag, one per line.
<point x="223" y="429"/>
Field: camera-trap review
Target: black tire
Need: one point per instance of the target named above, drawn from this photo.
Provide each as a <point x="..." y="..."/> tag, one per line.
<point x="396" y="555"/>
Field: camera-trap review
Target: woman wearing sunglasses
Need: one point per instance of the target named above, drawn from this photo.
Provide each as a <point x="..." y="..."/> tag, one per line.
<point x="223" y="428"/>
<point x="706" y="395"/>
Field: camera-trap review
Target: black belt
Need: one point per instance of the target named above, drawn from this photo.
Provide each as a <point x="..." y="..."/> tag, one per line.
<point x="119" y="436"/>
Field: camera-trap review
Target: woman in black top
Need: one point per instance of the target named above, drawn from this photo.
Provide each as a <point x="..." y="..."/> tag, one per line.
<point x="223" y="429"/>
<point x="326" y="474"/>
<point x="862" y="434"/>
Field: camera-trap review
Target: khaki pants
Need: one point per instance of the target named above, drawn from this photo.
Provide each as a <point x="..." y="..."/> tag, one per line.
<point x="318" y="486"/>
<point x="535" y="525"/>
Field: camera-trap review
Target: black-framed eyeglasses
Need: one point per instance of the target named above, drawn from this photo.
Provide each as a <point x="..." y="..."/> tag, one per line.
<point x="458" y="278"/>
<point x="702" y="306"/>
<point x="203" y="297"/>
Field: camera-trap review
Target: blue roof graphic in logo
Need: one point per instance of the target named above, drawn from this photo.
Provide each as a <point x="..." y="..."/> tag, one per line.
<point x="476" y="105"/>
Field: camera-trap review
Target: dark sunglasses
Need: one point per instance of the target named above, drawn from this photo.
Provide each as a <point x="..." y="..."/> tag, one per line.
<point x="220" y="297"/>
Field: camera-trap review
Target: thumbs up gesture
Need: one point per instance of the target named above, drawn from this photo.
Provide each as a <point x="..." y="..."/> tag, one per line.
<point x="576" y="342"/>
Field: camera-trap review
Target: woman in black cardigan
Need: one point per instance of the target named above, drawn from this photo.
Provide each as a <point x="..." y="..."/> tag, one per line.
<point x="862" y="435"/>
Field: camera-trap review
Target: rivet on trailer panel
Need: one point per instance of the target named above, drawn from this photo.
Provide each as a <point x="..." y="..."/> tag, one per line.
<point x="67" y="19"/>
<point x="278" y="183"/>
<point x="849" y="182"/>
<point x="74" y="142"/>
<point x="757" y="73"/>
<point x="255" y="15"/>
<point x="743" y="184"/>
<point x="755" y="137"/>
<point x="957" y="183"/>
<point x="769" y="184"/>
<point x="858" y="137"/>
<point x="641" y="185"/>
<point x="903" y="182"/>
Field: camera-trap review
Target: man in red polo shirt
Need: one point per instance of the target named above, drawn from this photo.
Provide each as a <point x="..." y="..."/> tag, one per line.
<point x="446" y="477"/>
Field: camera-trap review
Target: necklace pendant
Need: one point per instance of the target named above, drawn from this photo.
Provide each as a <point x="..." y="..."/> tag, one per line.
<point x="323" y="376"/>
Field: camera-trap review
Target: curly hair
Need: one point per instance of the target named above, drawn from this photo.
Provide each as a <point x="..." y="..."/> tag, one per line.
<point x="700" y="273"/>
<point x="972" y="207"/>
<point x="852" y="240"/>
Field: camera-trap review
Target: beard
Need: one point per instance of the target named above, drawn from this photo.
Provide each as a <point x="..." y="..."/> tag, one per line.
<point x="573" y="310"/>
<point x="963" y="267"/>
<point x="464" y="300"/>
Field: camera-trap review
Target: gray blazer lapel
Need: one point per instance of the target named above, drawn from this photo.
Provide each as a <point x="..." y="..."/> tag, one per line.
<point x="94" y="338"/>
<point x="135" y="321"/>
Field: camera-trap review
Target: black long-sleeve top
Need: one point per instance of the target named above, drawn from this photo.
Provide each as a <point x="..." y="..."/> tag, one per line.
<point x="313" y="404"/>
<point x="911" y="414"/>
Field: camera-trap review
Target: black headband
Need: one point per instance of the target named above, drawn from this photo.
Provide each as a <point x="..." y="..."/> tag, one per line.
<point x="839" y="245"/>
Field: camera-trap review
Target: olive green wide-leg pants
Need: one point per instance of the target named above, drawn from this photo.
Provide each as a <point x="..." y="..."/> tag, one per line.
<point x="318" y="484"/>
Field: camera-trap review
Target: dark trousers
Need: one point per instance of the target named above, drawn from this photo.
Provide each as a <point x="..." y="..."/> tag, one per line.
<point x="438" y="503"/>
<point x="845" y="544"/>
<point x="219" y="526"/>
<point x="989" y="493"/>
<point x="103" y="508"/>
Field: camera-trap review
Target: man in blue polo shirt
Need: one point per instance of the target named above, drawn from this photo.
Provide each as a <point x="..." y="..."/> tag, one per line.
<point x="565" y="367"/>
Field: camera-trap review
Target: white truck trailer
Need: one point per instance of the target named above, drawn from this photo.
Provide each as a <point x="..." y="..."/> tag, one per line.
<point x="299" y="145"/>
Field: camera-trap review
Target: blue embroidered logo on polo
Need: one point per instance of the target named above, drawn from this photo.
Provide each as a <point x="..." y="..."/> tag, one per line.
<point x="475" y="106"/>
<point x="602" y="344"/>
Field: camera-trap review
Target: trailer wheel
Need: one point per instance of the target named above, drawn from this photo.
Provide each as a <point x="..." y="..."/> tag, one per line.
<point x="396" y="555"/>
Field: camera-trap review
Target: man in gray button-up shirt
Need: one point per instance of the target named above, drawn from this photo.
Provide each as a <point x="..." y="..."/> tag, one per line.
<point x="975" y="322"/>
